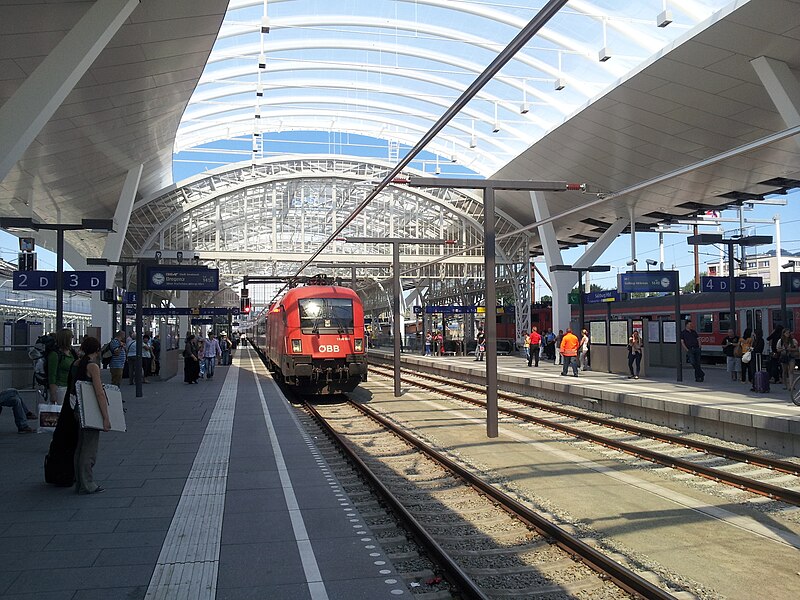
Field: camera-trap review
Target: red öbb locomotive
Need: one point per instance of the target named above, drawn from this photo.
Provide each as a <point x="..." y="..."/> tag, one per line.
<point x="313" y="339"/>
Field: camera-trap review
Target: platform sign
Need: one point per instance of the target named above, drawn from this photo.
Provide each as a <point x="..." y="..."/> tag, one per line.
<point x="791" y="282"/>
<point x="129" y="297"/>
<point x="152" y="311"/>
<point x="71" y="281"/>
<point x="202" y="320"/>
<point x="85" y="280"/>
<point x="601" y="296"/>
<point x="740" y="284"/>
<point x="450" y="310"/>
<point x="175" y="277"/>
<point x="648" y="281"/>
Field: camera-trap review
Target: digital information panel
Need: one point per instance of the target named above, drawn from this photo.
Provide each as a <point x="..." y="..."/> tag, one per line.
<point x="182" y="278"/>
<point x="71" y="280"/>
<point x="791" y="282"/>
<point x="648" y="281"/>
<point x="740" y="284"/>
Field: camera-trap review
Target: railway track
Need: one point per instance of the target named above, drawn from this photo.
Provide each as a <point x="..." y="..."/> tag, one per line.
<point x="773" y="478"/>
<point x="489" y="544"/>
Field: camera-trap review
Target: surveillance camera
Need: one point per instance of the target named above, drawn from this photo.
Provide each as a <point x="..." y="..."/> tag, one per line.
<point x="630" y="263"/>
<point x="158" y="254"/>
<point x="179" y="256"/>
<point x="651" y="262"/>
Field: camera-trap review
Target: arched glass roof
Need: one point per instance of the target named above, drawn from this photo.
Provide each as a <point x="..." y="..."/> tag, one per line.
<point x="388" y="69"/>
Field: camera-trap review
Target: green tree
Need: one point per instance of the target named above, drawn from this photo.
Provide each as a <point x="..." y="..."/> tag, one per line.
<point x="689" y="287"/>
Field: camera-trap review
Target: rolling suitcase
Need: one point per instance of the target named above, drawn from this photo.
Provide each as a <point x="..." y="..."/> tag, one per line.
<point x="761" y="382"/>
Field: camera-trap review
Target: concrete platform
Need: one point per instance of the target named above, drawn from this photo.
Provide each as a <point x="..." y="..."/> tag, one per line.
<point x="213" y="492"/>
<point x="718" y="407"/>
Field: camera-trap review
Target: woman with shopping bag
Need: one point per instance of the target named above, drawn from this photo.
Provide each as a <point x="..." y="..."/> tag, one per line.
<point x="87" y="369"/>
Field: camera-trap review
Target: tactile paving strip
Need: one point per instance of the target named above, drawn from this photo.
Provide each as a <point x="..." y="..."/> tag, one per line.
<point x="188" y="564"/>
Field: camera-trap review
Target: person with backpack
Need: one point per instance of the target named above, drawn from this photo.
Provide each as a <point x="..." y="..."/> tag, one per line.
<point x="225" y="347"/>
<point x="59" y="361"/>
<point x="118" y="357"/>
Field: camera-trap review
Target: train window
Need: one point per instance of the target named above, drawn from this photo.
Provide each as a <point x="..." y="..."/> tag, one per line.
<point x="758" y="323"/>
<point x="724" y="322"/>
<point x="706" y="323"/>
<point x="748" y="320"/>
<point x="326" y="315"/>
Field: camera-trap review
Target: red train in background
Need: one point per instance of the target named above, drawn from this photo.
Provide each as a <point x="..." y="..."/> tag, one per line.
<point x="313" y="339"/>
<point x="710" y="313"/>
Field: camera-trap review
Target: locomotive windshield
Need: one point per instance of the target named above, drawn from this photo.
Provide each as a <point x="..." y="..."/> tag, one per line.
<point x="326" y="315"/>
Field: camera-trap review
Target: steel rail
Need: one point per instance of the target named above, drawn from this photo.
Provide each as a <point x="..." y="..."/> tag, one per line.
<point x="453" y="572"/>
<point x="596" y="560"/>
<point x="782" y="466"/>
<point x="750" y="485"/>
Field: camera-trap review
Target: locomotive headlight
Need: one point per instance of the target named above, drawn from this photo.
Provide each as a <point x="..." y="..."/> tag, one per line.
<point x="358" y="345"/>
<point x="297" y="346"/>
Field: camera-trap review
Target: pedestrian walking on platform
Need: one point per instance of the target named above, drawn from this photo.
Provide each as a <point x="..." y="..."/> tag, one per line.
<point x="428" y="343"/>
<point x="557" y="348"/>
<point x="569" y="351"/>
<point x="745" y="352"/>
<point x="729" y="348"/>
<point x="583" y="350"/>
<point x="691" y="345"/>
<point x="191" y="361"/>
<point x="635" y="352"/>
<point x="480" y="347"/>
<point x="87" y="369"/>
<point x="211" y="352"/>
<point x="536" y="340"/>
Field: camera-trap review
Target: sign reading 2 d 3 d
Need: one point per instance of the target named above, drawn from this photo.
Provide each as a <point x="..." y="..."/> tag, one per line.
<point x="740" y="284"/>
<point x="648" y="281"/>
<point x="175" y="277"/>
<point x="72" y="280"/>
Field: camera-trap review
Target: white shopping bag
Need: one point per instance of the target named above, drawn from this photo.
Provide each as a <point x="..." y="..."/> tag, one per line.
<point x="48" y="416"/>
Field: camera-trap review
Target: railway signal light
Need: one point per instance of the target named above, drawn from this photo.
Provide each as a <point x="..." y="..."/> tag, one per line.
<point x="245" y="305"/>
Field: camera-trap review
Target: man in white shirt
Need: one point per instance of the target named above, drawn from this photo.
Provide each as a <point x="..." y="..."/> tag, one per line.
<point x="211" y="351"/>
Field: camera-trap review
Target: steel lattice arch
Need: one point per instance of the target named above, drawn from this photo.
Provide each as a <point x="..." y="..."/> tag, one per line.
<point x="266" y="217"/>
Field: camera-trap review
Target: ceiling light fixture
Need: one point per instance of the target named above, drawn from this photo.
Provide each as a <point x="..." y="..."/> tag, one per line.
<point x="665" y="16"/>
<point x="523" y="110"/>
<point x="560" y="82"/>
<point x="604" y="53"/>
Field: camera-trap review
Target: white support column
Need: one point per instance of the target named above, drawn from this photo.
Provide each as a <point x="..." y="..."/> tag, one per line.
<point x="633" y="238"/>
<point x="101" y="311"/>
<point x="593" y="252"/>
<point x="561" y="281"/>
<point x="782" y="87"/>
<point x="183" y="322"/>
<point x="24" y="115"/>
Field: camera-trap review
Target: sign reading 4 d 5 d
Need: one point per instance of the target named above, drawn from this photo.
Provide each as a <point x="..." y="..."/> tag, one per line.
<point x="175" y="277"/>
<point x="740" y="284"/>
